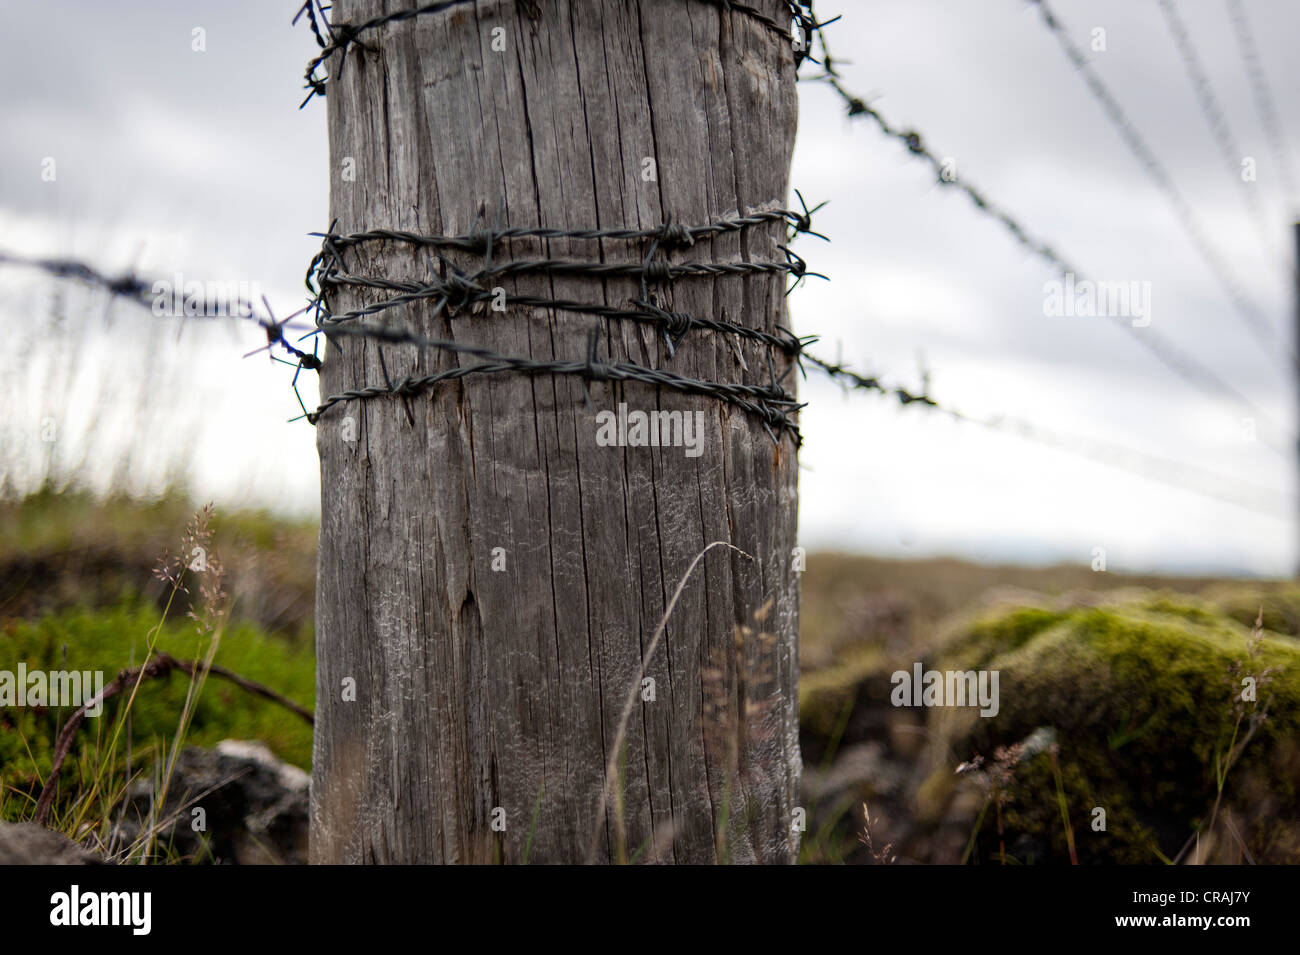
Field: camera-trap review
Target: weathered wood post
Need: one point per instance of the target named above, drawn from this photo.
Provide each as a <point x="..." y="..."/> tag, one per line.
<point x="491" y="569"/>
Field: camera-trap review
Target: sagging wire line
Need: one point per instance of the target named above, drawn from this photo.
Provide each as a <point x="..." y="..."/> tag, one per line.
<point x="1229" y="149"/>
<point x="1265" y="105"/>
<point x="1176" y="359"/>
<point x="144" y="293"/>
<point x="1261" y="329"/>
<point x="1139" y="464"/>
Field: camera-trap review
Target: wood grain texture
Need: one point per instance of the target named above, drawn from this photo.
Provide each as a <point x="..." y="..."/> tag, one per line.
<point x="479" y="689"/>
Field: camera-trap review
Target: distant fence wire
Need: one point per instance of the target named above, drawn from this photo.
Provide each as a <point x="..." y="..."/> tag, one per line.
<point x="453" y="290"/>
<point x="1260" y="327"/>
<point x="1224" y="139"/>
<point x="1264" y="102"/>
<point x="1173" y="357"/>
<point x="1108" y="453"/>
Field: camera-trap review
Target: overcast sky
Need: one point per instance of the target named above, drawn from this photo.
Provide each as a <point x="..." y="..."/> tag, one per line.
<point x="169" y="159"/>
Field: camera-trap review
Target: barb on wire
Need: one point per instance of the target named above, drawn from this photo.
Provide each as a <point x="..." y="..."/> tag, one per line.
<point x="1265" y="334"/>
<point x="313" y="9"/>
<point x="343" y="36"/>
<point x="142" y="292"/>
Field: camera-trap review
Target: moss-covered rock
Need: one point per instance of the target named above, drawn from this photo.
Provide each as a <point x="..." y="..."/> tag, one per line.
<point x="1144" y="694"/>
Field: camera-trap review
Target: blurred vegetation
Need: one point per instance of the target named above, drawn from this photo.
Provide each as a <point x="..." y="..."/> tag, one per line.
<point x="1138" y="681"/>
<point x="861" y="616"/>
<point x="1144" y="695"/>
<point x="71" y="549"/>
<point x="1133" y="677"/>
<point x="113" y="638"/>
<point x="80" y="590"/>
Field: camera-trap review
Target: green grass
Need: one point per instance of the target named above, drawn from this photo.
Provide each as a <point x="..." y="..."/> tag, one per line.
<point x="111" y="639"/>
<point x="78" y="591"/>
<point x="1131" y="672"/>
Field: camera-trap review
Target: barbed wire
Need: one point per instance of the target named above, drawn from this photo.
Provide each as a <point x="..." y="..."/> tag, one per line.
<point x="676" y="326"/>
<point x="459" y="285"/>
<point x="1208" y="101"/>
<point x="670" y="235"/>
<point x="1141" y="464"/>
<point x="457" y="291"/>
<point x="1176" y="359"/>
<point x="174" y="302"/>
<point x="770" y="401"/>
<point x="1264" y="332"/>
<point x="344" y="36"/>
<point x="1264" y="102"/>
<point x="1137" y="463"/>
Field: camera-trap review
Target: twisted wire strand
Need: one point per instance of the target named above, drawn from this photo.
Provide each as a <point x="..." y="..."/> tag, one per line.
<point x="459" y="291"/>
<point x="1265" y="104"/>
<point x="141" y="291"/>
<point x="771" y="403"/>
<point x="676" y="326"/>
<point x="1205" y="483"/>
<point x="670" y="235"/>
<point x="344" y="36"/>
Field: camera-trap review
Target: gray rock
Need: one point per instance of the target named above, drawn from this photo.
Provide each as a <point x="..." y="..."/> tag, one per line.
<point x="26" y="843"/>
<point x="235" y="805"/>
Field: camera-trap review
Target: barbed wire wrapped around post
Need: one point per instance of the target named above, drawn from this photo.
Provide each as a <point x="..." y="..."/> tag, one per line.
<point x="457" y="292"/>
<point x="1139" y="463"/>
<point x="463" y="292"/>
<point x="340" y="38"/>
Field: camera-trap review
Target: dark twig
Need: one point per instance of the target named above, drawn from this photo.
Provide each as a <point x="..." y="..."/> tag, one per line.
<point x="160" y="665"/>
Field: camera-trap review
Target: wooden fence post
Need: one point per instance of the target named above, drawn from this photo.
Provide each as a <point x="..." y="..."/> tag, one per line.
<point x="491" y="570"/>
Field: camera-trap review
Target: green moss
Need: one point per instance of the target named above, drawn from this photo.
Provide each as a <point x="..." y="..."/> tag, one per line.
<point x="112" y="639"/>
<point x="823" y="694"/>
<point x="997" y="633"/>
<point x="1186" y="607"/>
<point x="1141" y="696"/>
